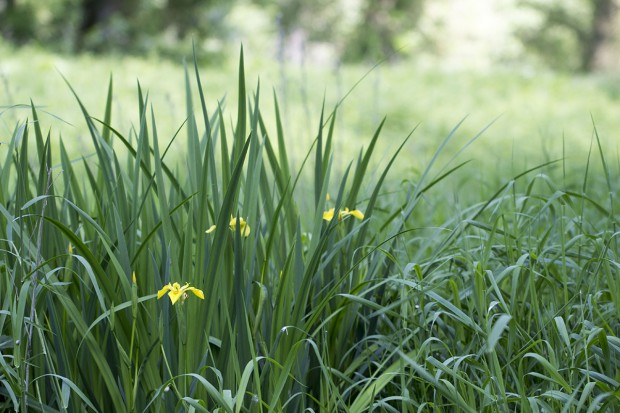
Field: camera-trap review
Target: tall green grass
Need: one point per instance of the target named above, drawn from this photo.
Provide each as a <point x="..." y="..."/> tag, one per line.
<point x="507" y="304"/>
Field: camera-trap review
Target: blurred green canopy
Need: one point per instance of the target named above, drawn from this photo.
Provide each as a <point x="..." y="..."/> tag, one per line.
<point x="576" y="35"/>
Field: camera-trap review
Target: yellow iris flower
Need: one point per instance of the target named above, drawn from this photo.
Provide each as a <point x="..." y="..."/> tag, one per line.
<point x="244" y="228"/>
<point x="175" y="291"/>
<point x="329" y="214"/>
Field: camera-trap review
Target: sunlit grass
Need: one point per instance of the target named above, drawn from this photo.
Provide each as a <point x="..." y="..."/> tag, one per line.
<point x="534" y="114"/>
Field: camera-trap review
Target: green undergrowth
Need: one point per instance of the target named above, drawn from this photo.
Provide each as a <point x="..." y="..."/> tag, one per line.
<point x="489" y="298"/>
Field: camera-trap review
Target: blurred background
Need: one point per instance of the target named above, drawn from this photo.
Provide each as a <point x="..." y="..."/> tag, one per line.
<point x="571" y="35"/>
<point x="543" y="72"/>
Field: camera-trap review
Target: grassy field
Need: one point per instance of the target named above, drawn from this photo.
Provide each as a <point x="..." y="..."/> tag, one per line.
<point x="452" y="275"/>
<point x="532" y="113"/>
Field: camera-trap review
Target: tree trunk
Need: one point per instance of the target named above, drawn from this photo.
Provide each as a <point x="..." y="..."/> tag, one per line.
<point x="600" y="49"/>
<point x="97" y="13"/>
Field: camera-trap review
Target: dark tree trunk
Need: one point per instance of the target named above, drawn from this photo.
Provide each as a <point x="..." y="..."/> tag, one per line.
<point x="8" y="28"/>
<point x="599" y="51"/>
<point x="95" y="12"/>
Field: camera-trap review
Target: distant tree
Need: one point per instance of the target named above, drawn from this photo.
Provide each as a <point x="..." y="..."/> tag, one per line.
<point x="16" y="21"/>
<point x="110" y="24"/>
<point x="358" y="30"/>
<point x="577" y="34"/>
<point x="601" y="45"/>
<point x="382" y="21"/>
<point x="138" y="24"/>
<point x="196" y="17"/>
<point x="319" y="18"/>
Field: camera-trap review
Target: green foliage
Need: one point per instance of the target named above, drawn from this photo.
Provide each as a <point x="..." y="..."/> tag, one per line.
<point x="509" y="303"/>
<point x="17" y="22"/>
<point x="560" y="35"/>
<point x="320" y="20"/>
<point x="364" y="30"/>
<point x="573" y="35"/>
<point x="375" y="35"/>
<point x="137" y="26"/>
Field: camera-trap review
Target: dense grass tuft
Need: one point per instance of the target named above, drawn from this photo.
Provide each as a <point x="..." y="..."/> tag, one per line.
<point x="510" y="302"/>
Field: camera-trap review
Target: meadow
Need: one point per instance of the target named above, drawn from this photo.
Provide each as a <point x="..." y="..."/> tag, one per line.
<point x="192" y="239"/>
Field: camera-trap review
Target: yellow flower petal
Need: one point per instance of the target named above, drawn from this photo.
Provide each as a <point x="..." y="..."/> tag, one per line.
<point x="346" y="212"/>
<point x="175" y="292"/>
<point x="328" y="215"/>
<point x="357" y="214"/>
<point x="174" y="296"/>
<point x="198" y="293"/>
<point x="244" y="228"/>
<point x="163" y="291"/>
